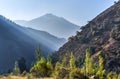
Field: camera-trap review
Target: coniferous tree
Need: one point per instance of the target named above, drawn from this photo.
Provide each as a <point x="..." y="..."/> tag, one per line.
<point x="62" y="69"/>
<point x="112" y="75"/>
<point x="16" y="70"/>
<point x="80" y="62"/>
<point x="89" y="66"/>
<point x="65" y="60"/>
<point x="22" y="64"/>
<point x="57" y="70"/>
<point x="42" y="67"/>
<point x="39" y="68"/>
<point x="38" y="54"/>
<point x="72" y="62"/>
<point x="49" y="58"/>
<point x="49" y="65"/>
<point x="100" y="71"/>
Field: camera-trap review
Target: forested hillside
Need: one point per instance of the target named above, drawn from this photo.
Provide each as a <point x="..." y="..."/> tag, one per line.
<point x="100" y="34"/>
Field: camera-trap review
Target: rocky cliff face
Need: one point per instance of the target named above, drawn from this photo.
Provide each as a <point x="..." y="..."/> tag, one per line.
<point x="100" y="34"/>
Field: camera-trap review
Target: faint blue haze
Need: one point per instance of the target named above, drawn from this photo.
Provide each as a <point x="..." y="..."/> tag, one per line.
<point x="76" y="11"/>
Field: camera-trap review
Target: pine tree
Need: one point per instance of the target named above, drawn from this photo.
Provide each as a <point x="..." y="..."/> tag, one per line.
<point x="100" y="71"/>
<point x="72" y="62"/>
<point x="57" y="70"/>
<point x="22" y="64"/>
<point x="89" y="66"/>
<point x="16" y="70"/>
<point x="38" y="54"/>
<point x="49" y="66"/>
<point x="62" y="69"/>
<point x="42" y="67"/>
<point x="66" y="60"/>
<point x="49" y="58"/>
<point x="39" y="69"/>
<point x="112" y="75"/>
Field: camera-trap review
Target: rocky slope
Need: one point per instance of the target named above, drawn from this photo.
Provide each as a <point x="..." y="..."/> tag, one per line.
<point x="100" y="34"/>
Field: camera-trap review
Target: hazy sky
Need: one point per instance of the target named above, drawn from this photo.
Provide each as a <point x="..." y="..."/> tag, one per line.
<point x="76" y="11"/>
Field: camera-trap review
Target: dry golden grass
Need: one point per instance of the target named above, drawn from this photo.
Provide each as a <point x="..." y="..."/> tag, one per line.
<point x="19" y="77"/>
<point x="13" y="77"/>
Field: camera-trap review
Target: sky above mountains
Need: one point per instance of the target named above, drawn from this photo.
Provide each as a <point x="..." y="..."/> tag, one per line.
<point x="76" y="11"/>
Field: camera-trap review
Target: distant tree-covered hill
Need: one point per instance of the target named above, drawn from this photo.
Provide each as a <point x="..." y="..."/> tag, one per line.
<point x="17" y="42"/>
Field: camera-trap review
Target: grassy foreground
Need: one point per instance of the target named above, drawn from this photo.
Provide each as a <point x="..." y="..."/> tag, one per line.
<point x="20" y="77"/>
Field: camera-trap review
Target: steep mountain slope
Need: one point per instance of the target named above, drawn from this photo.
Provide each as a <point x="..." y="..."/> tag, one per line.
<point x="54" y="25"/>
<point x="100" y="34"/>
<point x="47" y="39"/>
<point x="17" y="42"/>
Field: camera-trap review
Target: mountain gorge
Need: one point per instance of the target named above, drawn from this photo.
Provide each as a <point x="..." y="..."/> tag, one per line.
<point x="17" y="42"/>
<point x="102" y="34"/>
<point x="52" y="24"/>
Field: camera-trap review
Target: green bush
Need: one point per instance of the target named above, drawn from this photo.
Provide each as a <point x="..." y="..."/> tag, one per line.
<point x="80" y="61"/>
<point x="67" y="69"/>
<point x="112" y="75"/>
<point x="60" y="72"/>
<point x="42" y="67"/>
<point x="76" y="74"/>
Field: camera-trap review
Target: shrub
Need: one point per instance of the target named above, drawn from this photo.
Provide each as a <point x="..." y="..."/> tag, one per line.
<point x="76" y="74"/>
<point x="80" y="61"/>
<point x="39" y="68"/>
<point x="63" y="73"/>
<point x="62" y="69"/>
<point x="70" y="39"/>
<point x="115" y="33"/>
<point x="112" y="75"/>
<point x="60" y="72"/>
<point x="42" y="67"/>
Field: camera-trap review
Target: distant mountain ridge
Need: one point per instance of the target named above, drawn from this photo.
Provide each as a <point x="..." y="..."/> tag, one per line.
<point x="20" y="22"/>
<point x="51" y="40"/>
<point x="17" y="42"/>
<point x="52" y="24"/>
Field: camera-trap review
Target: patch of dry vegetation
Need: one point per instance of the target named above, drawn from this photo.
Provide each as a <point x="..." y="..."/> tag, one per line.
<point x="20" y="77"/>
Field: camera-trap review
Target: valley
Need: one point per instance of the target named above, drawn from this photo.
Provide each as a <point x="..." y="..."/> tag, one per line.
<point x="52" y="47"/>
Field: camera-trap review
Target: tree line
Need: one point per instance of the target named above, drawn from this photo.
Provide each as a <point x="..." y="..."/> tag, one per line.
<point x="69" y="68"/>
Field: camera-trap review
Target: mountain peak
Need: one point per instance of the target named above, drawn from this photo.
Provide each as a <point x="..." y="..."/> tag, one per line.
<point x="52" y="24"/>
<point x="49" y="14"/>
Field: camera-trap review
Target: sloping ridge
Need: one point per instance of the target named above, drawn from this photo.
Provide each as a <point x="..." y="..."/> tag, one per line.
<point x="15" y="42"/>
<point x="47" y="39"/>
<point x="52" y="24"/>
<point x="100" y="34"/>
